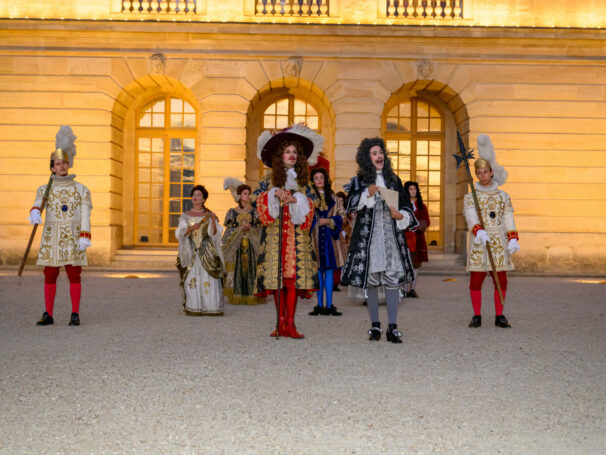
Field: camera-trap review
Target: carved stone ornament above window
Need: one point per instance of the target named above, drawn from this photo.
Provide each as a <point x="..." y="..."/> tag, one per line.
<point x="157" y="63"/>
<point x="424" y="69"/>
<point x="292" y="67"/>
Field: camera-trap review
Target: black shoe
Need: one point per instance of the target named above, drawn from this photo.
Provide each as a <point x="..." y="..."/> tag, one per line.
<point x="336" y="289"/>
<point x="412" y="293"/>
<point x="75" y="319"/>
<point x="393" y="334"/>
<point x="365" y="303"/>
<point x="476" y="321"/>
<point x="46" y="319"/>
<point x="317" y="310"/>
<point x="332" y="311"/>
<point x="501" y="321"/>
<point x="374" y="333"/>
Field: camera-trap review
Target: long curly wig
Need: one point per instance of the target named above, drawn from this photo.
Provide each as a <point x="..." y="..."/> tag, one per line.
<point x="367" y="172"/>
<point x="278" y="173"/>
<point x="407" y="185"/>
<point x="327" y="184"/>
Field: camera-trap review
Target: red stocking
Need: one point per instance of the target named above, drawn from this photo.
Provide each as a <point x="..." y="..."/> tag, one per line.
<point x="498" y="305"/>
<point x="291" y="306"/>
<point x="476" y="302"/>
<point x="75" y="286"/>
<point x="475" y="289"/>
<point x="282" y="317"/>
<point x="50" y="288"/>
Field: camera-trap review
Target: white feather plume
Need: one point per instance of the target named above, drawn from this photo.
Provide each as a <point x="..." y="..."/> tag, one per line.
<point x="232" y="184"/>
<point x="64" y="140"/>
<point x="486" y="151"/>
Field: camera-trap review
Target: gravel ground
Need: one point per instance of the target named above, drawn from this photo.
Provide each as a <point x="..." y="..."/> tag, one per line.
<point x="140" y="377"/>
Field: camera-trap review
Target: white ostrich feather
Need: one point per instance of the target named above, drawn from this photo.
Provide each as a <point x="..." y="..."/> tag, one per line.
<point x="486" y="151"/>
<point x="232" y="184"/>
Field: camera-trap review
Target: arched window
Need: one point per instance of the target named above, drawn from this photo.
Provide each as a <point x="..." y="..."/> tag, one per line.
<point x="287" y="111"/>
<point x="165" y="159"/>
<point x="414" y="134"/>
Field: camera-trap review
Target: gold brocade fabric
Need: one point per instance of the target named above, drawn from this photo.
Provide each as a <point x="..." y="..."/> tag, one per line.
<point x="205" y="248"/>
<point x="497" y="214"/>
<point x="66" y="214"/>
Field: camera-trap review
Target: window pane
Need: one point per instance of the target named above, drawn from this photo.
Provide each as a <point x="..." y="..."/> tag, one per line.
<point x="433" y="112"/>
<point x="434" y="193"/>
<point x="405" y="109"/>
<point x="404" y="163"/>
<point x="156" y="221"/>
<point x="144" y="144"/>
<point x="156" y="205"/>
<point x="300" y="119"/>
<point x="282" y="107"/>
<point x="175" y="190"/>
<point x="173" y="220"/>
<point x="143" y="220"/>
<point x="404" y="176"/>
<point x="143" y="205"/>
<point x="311" y="110"/>
<point x="157" y="159"/>
<point x="312" y="122"/>
<point x="404" y="147"/>
<point x="174" y="205"/>
<point x="189" y="121"/>
<point x="143" y="190"/>
<point x="281" y="122"/>
<point x="299" y="107"/>
<point x="422" y="180"/>
<point x="158" y="107"/>
<point x="422" y="110"/>
<point x="144" y="175"/>
<point x="421" y="163"/>
<point x="392" y="146"/>
<point x="157" y="174"/>
<point x="155" y="236"/>
<point x="176" y="120"/>
<point x="435" y="163"/>
<point x="393" y="112"/>
<point x="188" y="161"/>
<point x="405" y="124"/>
<point x="157" y="190"/>
<point x="176" y="105"/>
<point x="186" y="203"/>
<point x="188" y="108"/>
<point x="188" y="175"/>
<point x="187" y="189"/>
<point x="175" y="176"/>
<point x="189" y="145"/>
<point x="392" y="124"/>
<point x="158" y="121"/>
<point x="144" y="159"/>
<point x="269" y="122"/>
<point x="435" y="148"/>
<point x="171" y="236"/>
<point x="422" y="147"/>
<point x="145" y="121"/>
<point x="435" y="124"/>
<point x="434" y="178"/>
<point x="175" y="145"/>
<point x="422" y="124"/>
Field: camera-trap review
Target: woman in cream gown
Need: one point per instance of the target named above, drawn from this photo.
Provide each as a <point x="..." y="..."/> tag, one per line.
<point x="200" y="261"/>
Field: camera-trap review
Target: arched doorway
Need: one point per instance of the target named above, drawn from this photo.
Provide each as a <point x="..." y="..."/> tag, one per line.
<point x="414" y="135"/>
<point x="165" y="152"/>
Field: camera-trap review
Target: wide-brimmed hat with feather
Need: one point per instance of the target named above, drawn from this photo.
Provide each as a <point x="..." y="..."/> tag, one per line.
<point x="311" y="142"/>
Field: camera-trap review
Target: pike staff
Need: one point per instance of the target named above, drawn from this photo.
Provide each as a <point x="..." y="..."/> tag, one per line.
<point x="463" y="157"/>
<point x="35" y="228"/>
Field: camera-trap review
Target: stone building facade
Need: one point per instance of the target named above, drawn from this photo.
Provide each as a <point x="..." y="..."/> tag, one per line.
<point x="162" y="98"/>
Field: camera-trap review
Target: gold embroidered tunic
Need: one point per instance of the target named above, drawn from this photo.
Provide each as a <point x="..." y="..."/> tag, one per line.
<point x="67" y="218"/>
<point x="497" y="213"/>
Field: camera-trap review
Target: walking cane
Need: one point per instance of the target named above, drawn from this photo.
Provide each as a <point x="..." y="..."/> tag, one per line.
<point x="279" y="290"/>
<point x="463" y="157"/>
<point x="33" y="234"/>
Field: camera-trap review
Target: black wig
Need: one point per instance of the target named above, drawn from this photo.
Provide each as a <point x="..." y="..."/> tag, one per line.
<point x="327" y="184"/>
<point x="367" y="173"/>
<point x="407" y="185"/>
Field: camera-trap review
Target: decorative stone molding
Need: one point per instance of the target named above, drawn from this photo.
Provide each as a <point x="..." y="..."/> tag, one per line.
<point x="292" y="67"/>
<point x="424" y="69"/>
<point x="157" y="63"/>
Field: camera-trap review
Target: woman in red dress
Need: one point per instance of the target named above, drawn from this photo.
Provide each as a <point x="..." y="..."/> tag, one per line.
<point x="416" y="237"/>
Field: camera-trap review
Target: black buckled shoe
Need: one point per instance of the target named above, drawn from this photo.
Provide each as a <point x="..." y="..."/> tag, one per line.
<point x="501" y="321"/>
<point x="316" y="311"/>
<point x="332" y="311"/>
<point x="46" y="319"/>
<point x="393" y="334"/>
<point x="75" y="319"/>
<point x="412" y="293"/>
<point x="336" y="289"/>
<point x="476" y="321"/>
<point x="374" y="333"/>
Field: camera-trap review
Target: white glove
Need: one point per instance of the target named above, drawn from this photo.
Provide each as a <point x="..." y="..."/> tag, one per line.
<point x="481" y="237"/>
<point x="513" y="247"/>
<point x="34" y="217"/>
<point x="83" y="243"/>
